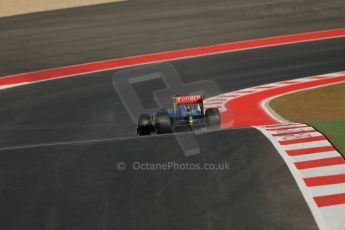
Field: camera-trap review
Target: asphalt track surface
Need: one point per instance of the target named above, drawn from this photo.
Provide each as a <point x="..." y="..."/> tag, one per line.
<point x="65" y="37"/>
<point x="88" y="107"/>
<point x="76" y="186"/>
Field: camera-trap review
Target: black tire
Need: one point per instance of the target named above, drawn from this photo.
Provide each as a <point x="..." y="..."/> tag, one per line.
<point x="212" y="117"/>
<point x="144" y="125"/>
<point x="163" y="124"/>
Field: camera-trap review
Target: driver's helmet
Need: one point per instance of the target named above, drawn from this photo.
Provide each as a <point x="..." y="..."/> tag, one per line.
<point x="193" y="109"/>
<point x="188" y="108"/>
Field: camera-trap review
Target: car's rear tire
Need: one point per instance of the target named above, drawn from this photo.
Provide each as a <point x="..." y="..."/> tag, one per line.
<point x="144" y="125"/>
<point x="212" y="117"/>
<point x="163" y="123"/>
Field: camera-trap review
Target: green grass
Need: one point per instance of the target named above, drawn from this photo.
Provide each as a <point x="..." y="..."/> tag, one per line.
<point x="334" y="130"/>
<point x="325" y="103"/>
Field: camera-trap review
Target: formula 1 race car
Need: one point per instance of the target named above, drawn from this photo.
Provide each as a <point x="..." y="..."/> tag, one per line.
<point x="187" y="113"/>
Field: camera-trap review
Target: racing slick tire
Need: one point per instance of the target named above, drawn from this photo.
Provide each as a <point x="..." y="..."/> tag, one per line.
<point x="212" y="116"/>
<point x="144" y="125"/>
<point x="163" y="123"/>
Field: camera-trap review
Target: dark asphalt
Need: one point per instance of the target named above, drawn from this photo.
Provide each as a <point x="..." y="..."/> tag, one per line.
<point x="65" y="37"/>
<point x="78" y="187"/>
<point x="88" y="107"/>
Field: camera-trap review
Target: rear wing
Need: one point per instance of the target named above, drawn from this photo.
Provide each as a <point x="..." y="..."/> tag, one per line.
<point x="188" y="99"/>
